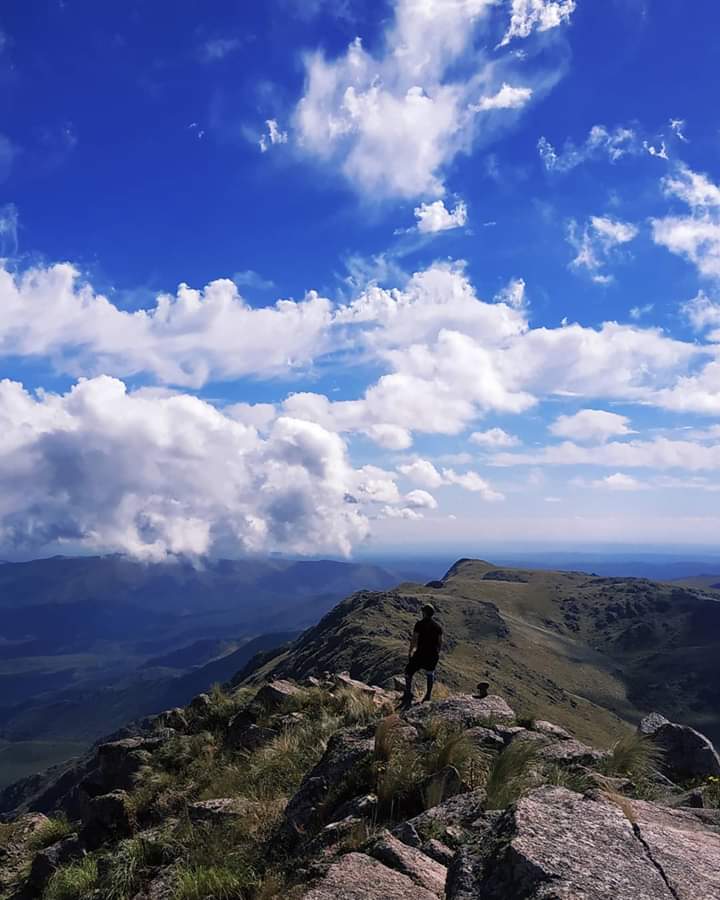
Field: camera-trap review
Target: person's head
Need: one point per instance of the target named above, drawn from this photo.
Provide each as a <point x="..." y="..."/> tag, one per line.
<point x="428" y="611"/>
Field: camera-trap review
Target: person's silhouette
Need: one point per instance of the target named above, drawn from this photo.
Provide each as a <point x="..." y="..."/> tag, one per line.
<point x="424" y="653"/>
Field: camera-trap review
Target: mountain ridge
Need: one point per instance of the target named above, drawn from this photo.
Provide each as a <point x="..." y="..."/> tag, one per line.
<point x="596" y="651"/>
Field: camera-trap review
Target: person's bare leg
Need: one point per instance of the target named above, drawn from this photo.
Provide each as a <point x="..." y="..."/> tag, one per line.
<point x="430" y="676"/>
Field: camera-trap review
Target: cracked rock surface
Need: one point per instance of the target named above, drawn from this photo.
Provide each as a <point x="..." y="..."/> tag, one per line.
<point x="559" y="844"/>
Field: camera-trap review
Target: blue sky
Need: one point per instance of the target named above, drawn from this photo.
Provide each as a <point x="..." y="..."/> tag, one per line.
<point x="319" y="277"/>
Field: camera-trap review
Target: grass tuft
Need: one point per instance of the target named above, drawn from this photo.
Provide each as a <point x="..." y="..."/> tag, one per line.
<point x="512" y="773"/>
<point x="634" y="756"/>
<point x="130" y="858"/>
<point x="203" y="882"/>
<point x="449" y="747"/>
<point x="49" y="833"/>
<point x="76" y="881"/>
<point x="562" y="776"/>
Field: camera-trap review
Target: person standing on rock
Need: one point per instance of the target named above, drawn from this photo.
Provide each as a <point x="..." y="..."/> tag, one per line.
<point x="424" y="654"/>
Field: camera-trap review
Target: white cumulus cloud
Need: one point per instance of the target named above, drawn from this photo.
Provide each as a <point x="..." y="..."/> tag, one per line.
<point x="100" y="468"/>
<point x="186" y="339"/>
<point x="619" y="482"/>
<point x="422" y="471"/>
<point x="702" y="312"/>
<point x="541" y="15"/>
<point x="596" y="243"/>
<point x="695" y="236"/>
<point x="434" y="217"/>
<point x="494" y="437"/>
<point x="601" y="142"/>
<point x="591" y="425"/>
<point x="274" y="135"/>
<point x="394" y="119"/>
<point x="508" y="97"/>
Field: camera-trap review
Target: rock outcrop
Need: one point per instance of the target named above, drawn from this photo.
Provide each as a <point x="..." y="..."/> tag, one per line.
<point x="685" y="752"/>
<point x="406" y="806"/>
<point x="555" y="843"/>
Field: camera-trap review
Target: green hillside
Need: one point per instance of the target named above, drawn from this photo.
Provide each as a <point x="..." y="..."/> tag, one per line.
<point x="588" y="652"/>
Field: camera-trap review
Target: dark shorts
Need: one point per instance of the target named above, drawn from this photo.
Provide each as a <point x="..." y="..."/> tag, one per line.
<point x="425" y="662"/>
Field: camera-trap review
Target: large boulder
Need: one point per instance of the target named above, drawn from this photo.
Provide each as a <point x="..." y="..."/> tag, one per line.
<point x="569" y="752"/>
<point x="346" y="753"/>
<point x="120" y="762"/>
<point x="47" y="860"/>
<point x="107" y="817"/>
<point x="686" y="753"/>
<point x="462" y="711"/>
<point x="412" y="862"/>
<point x="276" y="694"/>
<point x="244" y="735"/>
<point x="379" y="695"/>
<point x="557" y="844"/>
<point x="684" y="844"/>
<point x="15" y="848"/>
<point x="448" y="820"/>
<point x="359" y="877"/>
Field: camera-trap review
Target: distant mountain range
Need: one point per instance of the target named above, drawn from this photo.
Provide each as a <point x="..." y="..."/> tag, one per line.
<point x="589" y="652"/>
<point x="88" y="643"/>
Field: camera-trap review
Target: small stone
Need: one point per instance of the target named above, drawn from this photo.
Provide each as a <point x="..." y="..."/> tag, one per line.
<point x="508" y="732"/>
<point x="407" y="833"/>
<point x="289" y="720"/>
<point x="331" y="835"/>
<point x="222" y="810"/>
<point x="200" y="704"/>
<point x="551" y="730"/>
<point x="651" y="723"/>
<point x="482" y="689"/>
<point x="360" y="807"/>
<point x="571" y="752"/>
<point x="424" y="871"/>
<point x="173" y="718"/>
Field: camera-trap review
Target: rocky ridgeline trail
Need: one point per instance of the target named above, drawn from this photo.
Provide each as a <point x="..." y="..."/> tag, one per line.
<point x="323" y="790"/>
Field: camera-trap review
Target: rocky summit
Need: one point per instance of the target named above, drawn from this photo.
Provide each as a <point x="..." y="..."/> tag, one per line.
<point x="323" y="789"/>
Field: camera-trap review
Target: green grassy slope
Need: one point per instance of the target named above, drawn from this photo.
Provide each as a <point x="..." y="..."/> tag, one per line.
<point x="590" y="653"/>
